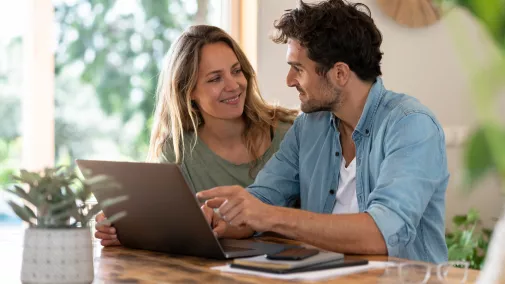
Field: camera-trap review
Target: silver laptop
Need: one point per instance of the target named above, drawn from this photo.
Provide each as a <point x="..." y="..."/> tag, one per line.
<point x="163" y="213"/>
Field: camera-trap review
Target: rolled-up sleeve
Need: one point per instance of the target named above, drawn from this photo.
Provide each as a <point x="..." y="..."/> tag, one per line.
<point x="278" y="182"/>
<point x="414" y="167"/>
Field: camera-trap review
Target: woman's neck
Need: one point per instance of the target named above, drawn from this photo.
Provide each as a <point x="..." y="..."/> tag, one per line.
<point x="222" y="131"/>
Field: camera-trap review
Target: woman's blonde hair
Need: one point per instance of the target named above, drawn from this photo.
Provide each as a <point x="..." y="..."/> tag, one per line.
<point x="176" y="114"/>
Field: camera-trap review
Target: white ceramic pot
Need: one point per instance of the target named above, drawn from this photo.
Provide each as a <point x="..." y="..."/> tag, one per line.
<point x="57" y="256"/>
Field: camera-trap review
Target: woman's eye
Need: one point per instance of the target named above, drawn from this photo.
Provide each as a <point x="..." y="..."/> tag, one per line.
<point x="237" y="71"/>
<point x="215" y="79"/>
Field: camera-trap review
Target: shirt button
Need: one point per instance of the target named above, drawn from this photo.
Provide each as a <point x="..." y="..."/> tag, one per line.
<point x="393" y="240"/>
<point x="337" y="154"/>
<point x="332" y="191"/>
<point x="367" y="131"/>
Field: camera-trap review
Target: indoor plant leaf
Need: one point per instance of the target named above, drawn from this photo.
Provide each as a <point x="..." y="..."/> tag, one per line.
<point x="109" y="220"/>
<point x="65" y="204"/>
<point x="60" y="196"/>
<point x="472" y="216"/>
<point x="21" y="193"/>
<point x="477" y="157"/>
<point x="459" y="220"/>
<point x="106" y="203"/>
<point x="23" y="212"/>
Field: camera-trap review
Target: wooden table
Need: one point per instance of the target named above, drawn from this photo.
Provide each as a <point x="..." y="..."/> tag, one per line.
<point x="123" y="265"/>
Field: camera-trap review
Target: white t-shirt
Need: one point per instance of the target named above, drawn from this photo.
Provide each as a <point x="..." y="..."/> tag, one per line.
<point x="347" y="202"/>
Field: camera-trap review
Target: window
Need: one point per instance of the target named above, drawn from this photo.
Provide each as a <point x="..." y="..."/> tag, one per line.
<point x="98" y="102"/>
<point x="12" y="24"/>
<point x="108" y="57"/>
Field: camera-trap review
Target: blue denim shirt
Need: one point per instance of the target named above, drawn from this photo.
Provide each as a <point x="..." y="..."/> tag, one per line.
<point x="401" y="174"/>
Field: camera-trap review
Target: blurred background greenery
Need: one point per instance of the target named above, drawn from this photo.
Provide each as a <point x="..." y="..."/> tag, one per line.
<point x="108" y="55"/>
<point x="485" y="148"/>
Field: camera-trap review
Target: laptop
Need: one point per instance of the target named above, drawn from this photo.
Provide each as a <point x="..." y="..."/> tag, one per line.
<point x="163" y="213"/>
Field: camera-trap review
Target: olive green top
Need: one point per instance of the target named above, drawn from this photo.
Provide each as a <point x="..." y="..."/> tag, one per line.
<point x="203" y="169"/>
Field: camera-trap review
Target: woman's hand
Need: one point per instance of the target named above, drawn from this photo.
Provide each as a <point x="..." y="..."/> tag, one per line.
<point x="106" y="233"/>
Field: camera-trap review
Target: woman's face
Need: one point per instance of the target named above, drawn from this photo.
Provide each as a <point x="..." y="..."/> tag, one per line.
<point x="221" y="86"/>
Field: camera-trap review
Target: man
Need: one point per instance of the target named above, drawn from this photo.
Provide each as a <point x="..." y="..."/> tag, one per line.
<point x="369" y="165"/>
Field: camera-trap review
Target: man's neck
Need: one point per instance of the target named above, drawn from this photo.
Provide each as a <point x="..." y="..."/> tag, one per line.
<point x="351" y="109"/>
<point x="222" y="131"/>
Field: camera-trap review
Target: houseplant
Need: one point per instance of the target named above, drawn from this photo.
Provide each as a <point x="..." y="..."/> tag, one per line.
<point x="58" y="244"/>
<point x="485" y="151"/>
<point x="468" y="241"/>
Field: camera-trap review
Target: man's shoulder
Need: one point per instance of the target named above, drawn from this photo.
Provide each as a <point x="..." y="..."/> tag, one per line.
<point x="313" y="119"/>
<point x="397" y="106"/>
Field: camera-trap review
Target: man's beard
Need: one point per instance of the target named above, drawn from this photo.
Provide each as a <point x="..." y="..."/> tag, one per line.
<point x="330" y="101"/>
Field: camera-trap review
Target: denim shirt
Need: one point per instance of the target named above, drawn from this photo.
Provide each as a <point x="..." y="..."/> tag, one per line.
<point x="401" y="171"/>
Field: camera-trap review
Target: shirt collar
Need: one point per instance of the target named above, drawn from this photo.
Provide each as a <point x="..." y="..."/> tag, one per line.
<point x="371" y="105"/>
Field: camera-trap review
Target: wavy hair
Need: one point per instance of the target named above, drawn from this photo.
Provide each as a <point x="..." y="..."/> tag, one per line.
<point x="175" y="114"/>
<point x="334" y="31"/>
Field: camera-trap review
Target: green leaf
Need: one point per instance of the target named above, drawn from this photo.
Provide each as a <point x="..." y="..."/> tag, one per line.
<point x="484" y="152"/>
<point x="491" y="13"/>
<point x="110" y="220"/>
<point x="473" y="216"/>
<point x="29" y="177"/>
<point x="22" y="212"/>
<point x="97" y="180"/>
<point x="112" y="201"/>
<point x="106" y="203"/>
<point x="458" y="253"/>
<point x="487" y="233"/>
<point x="459" y="220"/>
<point x="19" y="192"/>
<point x="98" y="183"/>
<point x="6" y="176"/>
<point x="466" y="239"/>
<point x="477" y="157"/>
<point x="77" y="214"/>
<point x="62" y="219"/>
<point x="65" y="204"/>
<point x="30" y="213"/>
<point x="91" y="213"/>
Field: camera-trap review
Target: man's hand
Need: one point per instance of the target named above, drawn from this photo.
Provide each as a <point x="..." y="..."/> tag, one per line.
<point x="218" y="225"/>
<point x="238" y="207"/>
<point x="222" y="229"/>
<point x="105" y="232"/>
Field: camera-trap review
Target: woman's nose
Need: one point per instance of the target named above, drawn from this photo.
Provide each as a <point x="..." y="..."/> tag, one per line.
<point x="230" y="84"/>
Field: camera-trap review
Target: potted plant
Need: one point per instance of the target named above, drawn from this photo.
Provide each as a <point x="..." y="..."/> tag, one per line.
<point x="58" y="243"/>
<point x="485" y="151"/>
<point x="468" y="241"/>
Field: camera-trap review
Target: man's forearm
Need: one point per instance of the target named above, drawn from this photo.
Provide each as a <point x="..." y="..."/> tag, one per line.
<point x="345" y="233"/>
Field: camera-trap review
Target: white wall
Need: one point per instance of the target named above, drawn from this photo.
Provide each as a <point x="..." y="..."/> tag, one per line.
<point x="424" y="63"/>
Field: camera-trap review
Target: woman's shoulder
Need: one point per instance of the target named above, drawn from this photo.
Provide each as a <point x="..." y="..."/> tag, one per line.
<point x="281" y="129"/>
<point x="167" y="154"/>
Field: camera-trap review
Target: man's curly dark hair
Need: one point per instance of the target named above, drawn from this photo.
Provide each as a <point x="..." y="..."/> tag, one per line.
<point x="334" y="31"/>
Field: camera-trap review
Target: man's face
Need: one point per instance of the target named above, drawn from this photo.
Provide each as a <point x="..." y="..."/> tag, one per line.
<point x="317" y="93"/>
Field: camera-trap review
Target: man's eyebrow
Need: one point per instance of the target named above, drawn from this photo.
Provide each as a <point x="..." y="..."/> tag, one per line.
<point x="294" y="63"/>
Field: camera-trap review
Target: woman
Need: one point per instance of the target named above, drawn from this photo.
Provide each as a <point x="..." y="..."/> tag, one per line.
<point x="210" y="117"/>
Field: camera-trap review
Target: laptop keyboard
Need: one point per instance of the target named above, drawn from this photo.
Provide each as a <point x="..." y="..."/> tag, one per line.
<point x="232" y="249"/>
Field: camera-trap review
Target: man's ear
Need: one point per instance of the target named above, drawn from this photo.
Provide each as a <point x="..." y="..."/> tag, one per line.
<point x="339" y="74"/>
